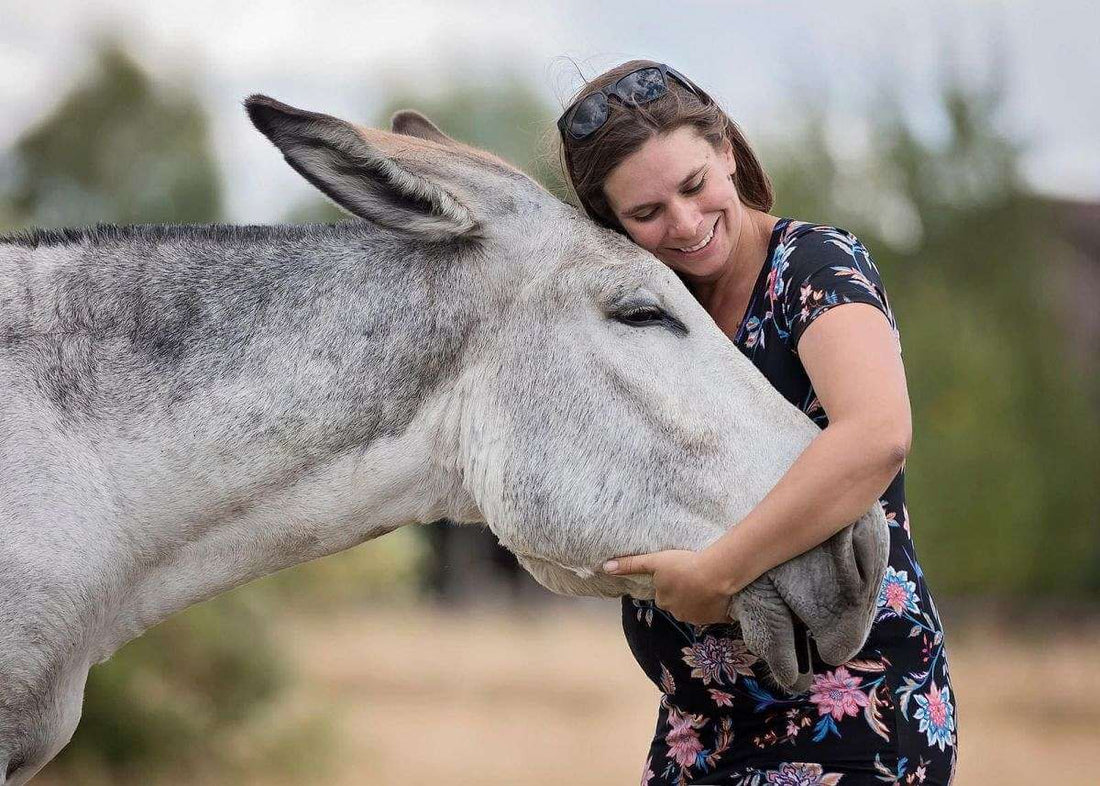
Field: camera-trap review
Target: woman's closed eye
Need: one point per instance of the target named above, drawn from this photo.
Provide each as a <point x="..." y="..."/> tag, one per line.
<point x="695" y="189"/>
<point x="689" y="191"/>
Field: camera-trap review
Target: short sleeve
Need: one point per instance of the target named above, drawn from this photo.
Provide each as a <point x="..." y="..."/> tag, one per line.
<point x="827" y="267"/>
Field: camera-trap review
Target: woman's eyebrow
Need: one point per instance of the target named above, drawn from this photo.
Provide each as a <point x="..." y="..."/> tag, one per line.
<point x="683" y="184"/>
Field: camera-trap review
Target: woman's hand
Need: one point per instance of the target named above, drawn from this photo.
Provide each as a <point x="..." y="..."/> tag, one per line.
<point x="683" y="583"/>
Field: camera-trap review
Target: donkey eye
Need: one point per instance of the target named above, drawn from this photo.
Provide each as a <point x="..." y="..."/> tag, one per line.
<point x="646" y="315"/>
<point x="649" y="315"/>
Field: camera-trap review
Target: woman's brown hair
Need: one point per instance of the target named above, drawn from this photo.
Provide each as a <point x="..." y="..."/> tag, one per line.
<point x="588" y="162"/>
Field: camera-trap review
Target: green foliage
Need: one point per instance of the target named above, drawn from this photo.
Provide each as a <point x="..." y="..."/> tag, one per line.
<point x="1002" y="479"/>
<point x="169" y="696"/>
<point x="117" y="149"/>
<point x="383" y="570"/>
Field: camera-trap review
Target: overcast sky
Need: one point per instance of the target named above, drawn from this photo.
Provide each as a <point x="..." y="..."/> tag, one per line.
<point x="759" y="58"/>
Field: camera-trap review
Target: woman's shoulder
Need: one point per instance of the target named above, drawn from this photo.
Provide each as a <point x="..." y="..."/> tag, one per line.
<point x="817" y="267"/>
<point x="806" y="250"/>
<point x="804" y="236"/>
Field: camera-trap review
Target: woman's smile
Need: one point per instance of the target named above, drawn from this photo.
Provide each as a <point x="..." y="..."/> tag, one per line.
<point x="700" y="248"/>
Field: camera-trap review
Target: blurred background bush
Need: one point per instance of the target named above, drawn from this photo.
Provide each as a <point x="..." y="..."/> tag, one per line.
<point x="994" y="283"/>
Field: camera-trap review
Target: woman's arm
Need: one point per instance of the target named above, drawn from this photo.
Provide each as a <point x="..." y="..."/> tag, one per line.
<point x="852" y="358"/>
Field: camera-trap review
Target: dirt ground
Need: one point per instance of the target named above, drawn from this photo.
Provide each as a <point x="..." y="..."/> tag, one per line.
<point x="503" y="697"/>
<point x="551" y="695"/>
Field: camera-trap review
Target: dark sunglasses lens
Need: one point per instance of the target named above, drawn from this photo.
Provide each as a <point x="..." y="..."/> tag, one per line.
<point x="590" y="114"/>
<point x="641" y="86"/>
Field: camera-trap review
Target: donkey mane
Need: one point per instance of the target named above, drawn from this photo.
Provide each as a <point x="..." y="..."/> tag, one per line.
<point x="107" y="234"/>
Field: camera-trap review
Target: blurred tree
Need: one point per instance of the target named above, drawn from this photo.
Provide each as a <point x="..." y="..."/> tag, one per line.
<point x="1003" y="483"/>
<point x="170" y="698"/>
<point x="116" y="149"/>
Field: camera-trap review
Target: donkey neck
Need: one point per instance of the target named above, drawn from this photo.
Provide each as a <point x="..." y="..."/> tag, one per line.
<point x="305" y="324"/>
<point x="250" y="398"/>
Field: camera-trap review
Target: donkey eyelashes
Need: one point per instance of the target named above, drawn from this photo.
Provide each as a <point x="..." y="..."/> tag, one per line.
<point x="648" y="314"/>
<point x="642" y="315"/>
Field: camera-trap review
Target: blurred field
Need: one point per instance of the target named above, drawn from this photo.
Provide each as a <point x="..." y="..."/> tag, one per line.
<point x="416" y="695"/>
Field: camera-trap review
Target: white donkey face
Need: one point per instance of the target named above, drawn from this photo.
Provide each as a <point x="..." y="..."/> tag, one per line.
<point x="612" y="398"/>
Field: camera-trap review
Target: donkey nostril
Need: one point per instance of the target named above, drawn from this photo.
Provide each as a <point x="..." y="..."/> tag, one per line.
<point x="863" y="551"/>
<point x="861" y="569"/>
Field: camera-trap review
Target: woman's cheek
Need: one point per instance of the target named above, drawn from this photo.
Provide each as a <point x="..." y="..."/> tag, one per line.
<point x="643" y="236"/>
<point x="653" y="237"/>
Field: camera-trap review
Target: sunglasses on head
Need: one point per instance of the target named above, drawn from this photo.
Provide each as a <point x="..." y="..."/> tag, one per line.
<point x="587" y="114"/>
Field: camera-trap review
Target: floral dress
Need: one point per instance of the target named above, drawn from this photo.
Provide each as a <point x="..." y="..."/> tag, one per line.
<point x="885" y="717"/>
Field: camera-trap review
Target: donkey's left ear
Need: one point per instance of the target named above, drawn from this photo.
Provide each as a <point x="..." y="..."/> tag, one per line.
<point x="336" y="158"/>
<point x="409" y="122"/>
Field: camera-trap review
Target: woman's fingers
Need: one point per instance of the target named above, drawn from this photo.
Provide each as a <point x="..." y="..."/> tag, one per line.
<point x="626" y="566"/>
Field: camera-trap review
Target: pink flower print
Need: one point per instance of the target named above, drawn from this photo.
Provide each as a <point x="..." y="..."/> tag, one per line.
<point x="897" y="593"/>
<point x="647" y="775"/>
<point x="796" y="774"/>
<point x="720" y="697"/>
<point x="837" y="693"/>
<point x="936" y="716"/>
<point x="682" y="739"/>
<point x="713" y="659"/>
<point x="754" y="332"/>
<point x="775" y="284"/>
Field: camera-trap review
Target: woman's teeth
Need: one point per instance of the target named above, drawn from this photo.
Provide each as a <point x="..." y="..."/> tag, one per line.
<point x="702" y="243"/>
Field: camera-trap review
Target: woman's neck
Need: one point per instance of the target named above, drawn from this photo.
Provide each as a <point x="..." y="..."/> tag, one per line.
<point x="726" y="297"/>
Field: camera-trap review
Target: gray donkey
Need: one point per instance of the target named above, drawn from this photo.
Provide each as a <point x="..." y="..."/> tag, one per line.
<point x="184" y="409"/>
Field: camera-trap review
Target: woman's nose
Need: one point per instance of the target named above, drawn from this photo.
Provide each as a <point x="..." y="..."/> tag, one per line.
<point x="684" y="220"/>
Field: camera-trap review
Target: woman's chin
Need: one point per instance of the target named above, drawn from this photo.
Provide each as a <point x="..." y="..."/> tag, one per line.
<point x="699" y="271"/>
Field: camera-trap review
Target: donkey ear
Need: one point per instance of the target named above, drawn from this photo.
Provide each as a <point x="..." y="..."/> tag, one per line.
<point x="336" y="158"/>
<point x="408" y="122"/>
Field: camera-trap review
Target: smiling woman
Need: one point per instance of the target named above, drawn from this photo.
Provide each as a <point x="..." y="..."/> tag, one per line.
<point x="652" y="156"/>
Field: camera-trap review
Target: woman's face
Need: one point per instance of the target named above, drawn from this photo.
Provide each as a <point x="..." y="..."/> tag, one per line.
<point x="674" y="196"/>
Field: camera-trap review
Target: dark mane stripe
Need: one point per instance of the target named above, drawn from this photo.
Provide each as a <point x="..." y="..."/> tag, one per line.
<point x="104" y="234"/>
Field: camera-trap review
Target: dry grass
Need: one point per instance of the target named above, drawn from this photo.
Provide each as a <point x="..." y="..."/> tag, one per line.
<point x="415" y="695"/>
<point x="420" y="696"/>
